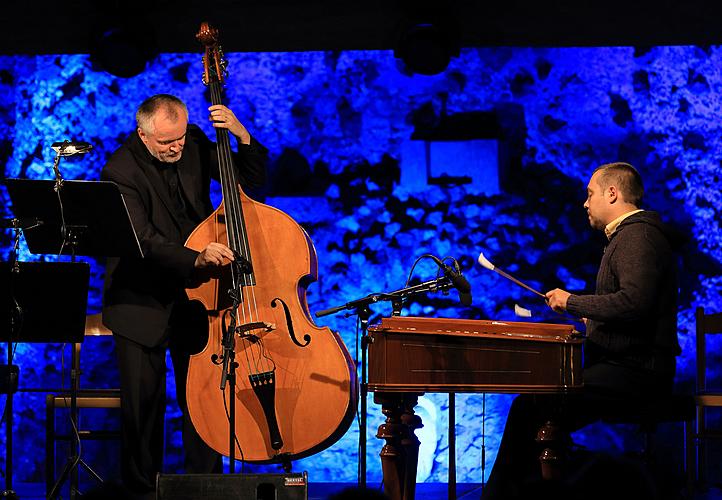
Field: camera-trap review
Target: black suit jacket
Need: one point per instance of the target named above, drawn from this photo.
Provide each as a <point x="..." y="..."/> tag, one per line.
<point x="139" y="294"/>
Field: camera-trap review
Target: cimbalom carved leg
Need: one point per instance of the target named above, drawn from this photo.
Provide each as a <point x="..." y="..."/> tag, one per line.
<point x="554" y="442"/>
<point x="400" y="454"/>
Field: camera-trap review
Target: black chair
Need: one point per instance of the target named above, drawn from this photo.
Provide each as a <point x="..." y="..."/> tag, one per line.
<point x="705" y="397"/>
<point x="649" y="413"/>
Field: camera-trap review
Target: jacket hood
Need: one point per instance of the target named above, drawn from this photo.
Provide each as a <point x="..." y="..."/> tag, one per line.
<point x="675" y="237"/>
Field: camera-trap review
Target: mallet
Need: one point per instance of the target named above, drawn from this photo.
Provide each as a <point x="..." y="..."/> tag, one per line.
<point x="485" y="262"/>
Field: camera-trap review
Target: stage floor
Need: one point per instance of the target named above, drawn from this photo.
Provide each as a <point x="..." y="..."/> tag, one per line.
<point x="316" y="491"/>
<point x="322" y="491"/>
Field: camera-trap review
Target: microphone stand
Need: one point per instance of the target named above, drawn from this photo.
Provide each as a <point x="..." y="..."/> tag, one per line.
<point x="69" y="236"/>
<point x="363" y="313"/>
<point x="228" y="372"/>
<point x="361" y="309"/>
<point x="12" y="375"/>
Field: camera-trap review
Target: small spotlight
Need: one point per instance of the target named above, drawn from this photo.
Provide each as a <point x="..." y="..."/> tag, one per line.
<point x="426" y="48"/>
<point x="123" y="51"/>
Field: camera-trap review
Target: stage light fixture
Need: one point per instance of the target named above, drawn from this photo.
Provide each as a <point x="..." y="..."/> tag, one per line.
<point x="124" y="50"/>
<point x="426" y="48"/>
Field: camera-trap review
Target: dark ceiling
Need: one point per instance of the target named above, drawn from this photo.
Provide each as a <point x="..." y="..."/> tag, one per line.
<point x="287" y="25"/>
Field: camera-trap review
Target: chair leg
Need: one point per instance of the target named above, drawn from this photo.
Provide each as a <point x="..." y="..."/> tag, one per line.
<point x="690" y="462"/>
<point x="701" y="448"/>
<point x="49" y="443"/>
<point x="648" y="451"/>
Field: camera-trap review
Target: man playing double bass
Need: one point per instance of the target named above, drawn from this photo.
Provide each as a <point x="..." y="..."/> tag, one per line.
<point x="164" y="170"/>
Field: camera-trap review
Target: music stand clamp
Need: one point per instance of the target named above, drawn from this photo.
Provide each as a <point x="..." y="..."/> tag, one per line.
<point x="9" y="378"/>
<point x="82" y="218"/>
<point x="360" y="307"/>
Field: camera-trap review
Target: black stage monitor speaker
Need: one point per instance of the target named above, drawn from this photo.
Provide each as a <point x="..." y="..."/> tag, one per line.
<point x="233" y="486"/>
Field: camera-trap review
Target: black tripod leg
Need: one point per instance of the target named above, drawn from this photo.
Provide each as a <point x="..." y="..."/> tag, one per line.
<point x="9" y="492"/>
<point x="69" y="466"/>
<point x="91" y="472"/>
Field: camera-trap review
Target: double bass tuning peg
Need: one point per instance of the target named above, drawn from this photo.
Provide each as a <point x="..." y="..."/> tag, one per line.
<point x="203" y="77"/>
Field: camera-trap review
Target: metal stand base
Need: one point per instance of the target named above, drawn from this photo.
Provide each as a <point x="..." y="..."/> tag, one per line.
<point x="71" y="466"/>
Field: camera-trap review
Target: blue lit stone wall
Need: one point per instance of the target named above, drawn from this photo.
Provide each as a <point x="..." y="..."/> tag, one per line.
<point x="336" y="125"/>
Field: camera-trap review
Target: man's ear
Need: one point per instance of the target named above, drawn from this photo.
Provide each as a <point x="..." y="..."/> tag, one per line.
<point x="612" y="194"/>
<point x="142" y="135"/>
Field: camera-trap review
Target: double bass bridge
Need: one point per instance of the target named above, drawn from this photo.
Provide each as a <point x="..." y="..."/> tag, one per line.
<point x="245" y="331"/>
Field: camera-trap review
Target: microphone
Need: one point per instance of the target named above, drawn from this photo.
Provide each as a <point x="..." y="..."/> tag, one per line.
<point x="20" y="223"/>
<point x="457" y="279"/>
<point x="71" y="148"/>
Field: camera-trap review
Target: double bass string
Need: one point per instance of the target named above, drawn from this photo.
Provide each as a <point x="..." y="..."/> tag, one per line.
<point x="232" y="207"/>
<point x="237" y="238"/>
<point x="227" y="183"/>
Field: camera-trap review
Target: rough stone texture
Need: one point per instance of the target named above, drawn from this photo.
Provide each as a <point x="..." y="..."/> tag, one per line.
<point x="335" y="124"/>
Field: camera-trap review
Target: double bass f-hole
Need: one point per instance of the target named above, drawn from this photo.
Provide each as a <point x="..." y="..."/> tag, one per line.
<point x="289" y="323"/>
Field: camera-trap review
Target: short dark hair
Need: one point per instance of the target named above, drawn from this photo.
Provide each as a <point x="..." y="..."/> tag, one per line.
<point x="625" y="177"/>
<point x="148" y="108"/>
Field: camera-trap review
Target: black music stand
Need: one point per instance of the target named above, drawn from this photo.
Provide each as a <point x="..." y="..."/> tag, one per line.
<point x="52" y="297"/>
<point x="94" y="220"/>
<point x="87" y="218"/>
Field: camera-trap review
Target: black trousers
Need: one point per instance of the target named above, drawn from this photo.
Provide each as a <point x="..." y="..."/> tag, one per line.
<point x="609" y="389"/>
<point x="143" y="396"/>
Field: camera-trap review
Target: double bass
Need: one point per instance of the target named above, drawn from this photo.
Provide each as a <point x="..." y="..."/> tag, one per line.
<point x="294" y="383"/>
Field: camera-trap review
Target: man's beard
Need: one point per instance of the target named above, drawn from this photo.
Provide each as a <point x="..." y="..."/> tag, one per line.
<point x="166" y="158"/>
<point x="595" y="223"/>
